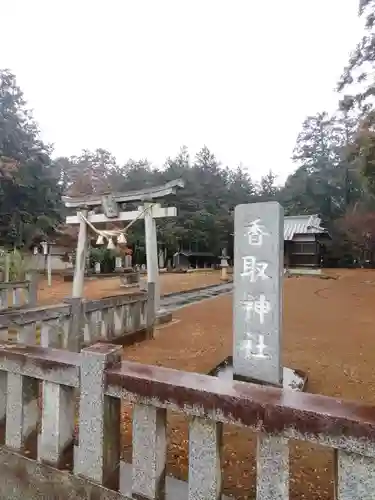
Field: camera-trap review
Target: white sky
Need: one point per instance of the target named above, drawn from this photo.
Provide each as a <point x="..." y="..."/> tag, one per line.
<point x="141" y="78"/>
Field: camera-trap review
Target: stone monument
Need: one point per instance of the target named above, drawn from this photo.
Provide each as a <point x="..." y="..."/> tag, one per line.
<point x="257" y="299"/>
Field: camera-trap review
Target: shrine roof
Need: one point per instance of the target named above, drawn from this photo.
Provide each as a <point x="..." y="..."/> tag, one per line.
<point x="303" y="224"/>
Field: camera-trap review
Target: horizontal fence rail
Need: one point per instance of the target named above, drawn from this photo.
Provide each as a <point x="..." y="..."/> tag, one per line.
<point x="18" y="294"/>
<point x="76" y="322"/>
<point x="29" y="375"/>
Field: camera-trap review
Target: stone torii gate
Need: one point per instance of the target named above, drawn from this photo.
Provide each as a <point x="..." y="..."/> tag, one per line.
<point x="99" y="209"/>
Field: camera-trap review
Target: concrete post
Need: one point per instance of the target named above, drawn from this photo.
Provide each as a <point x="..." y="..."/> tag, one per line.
<point x="355" y="476"/>
<point x="76" y="327"/>
<point x="98" y="454"/>
<point x="49" y="267"/>
<point x="152" y="254"/>
<point x="7" y="267"/>
<point x="150" y="311"/>
<point x="79" y="272"/>
<point x="22" y="412"/>
<point x="118" y="265"/>
<point x="57" y="422"/>
<point x="33" y="288"/>
<point x="149" y="452"/>
<point x="205" y="440"/>
<point x="128" y="261"/>
<point x="272" y="467"/>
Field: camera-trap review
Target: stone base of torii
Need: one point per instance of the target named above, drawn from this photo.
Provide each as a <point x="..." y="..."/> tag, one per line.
<point x="101" y="209"/>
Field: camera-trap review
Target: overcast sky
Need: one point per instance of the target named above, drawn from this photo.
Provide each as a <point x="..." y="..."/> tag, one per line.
<point x="141" y="78"/>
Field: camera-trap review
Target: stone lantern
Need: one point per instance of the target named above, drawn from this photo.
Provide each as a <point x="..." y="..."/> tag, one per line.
<point x="224" y="265"/>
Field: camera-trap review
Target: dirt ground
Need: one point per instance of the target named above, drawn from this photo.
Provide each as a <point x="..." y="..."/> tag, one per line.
<point x="104" y="287"/>
<point x="328" y="333"/>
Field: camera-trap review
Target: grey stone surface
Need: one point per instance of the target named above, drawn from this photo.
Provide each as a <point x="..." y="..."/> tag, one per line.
<point x="172" y="301"/>
<point x="272" y="468"/>
<point x="292" y="379"/>
<point x="205" y="439"/>
<point x="69" y="325"/>
<point x="30" y="367"/>
<point x="57" y="422"/>
<point x="98" y="452"/>
<point x="110" y="207"/>
<point x="355" y="477"/>
<point x="149" y="451"/>
<point x="258" y="272"/>
<point x="32" y="291"/>
<point x="151" y="314"/>
<point x="25" y="479"/>
<point x="54" y="333"/>
<point x="27" y="334"/>
<point x="118" y="320"/>
<point x="3" y="394"/>
<point x="22" y="412"/>
<point x="175" y="489"/>
<point x="76" y="326"/>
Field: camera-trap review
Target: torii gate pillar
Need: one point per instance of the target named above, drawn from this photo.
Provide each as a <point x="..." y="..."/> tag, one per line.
<point x="81" y="254"/>
<point x="152" y="255"/>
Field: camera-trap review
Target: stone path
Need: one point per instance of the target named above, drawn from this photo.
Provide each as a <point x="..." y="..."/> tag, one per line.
<point x="175" y="300"/>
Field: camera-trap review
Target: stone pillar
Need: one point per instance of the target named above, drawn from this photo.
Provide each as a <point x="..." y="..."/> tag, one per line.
<point x="355" y="476"/>
<point x="79" y="272"/>
<point x="205" y="440"/>
<point x="32" y="297"/>
<point x="49" y="267"/>
<point x="98" y="454"/>
<point x="118" y="264"/>
<point x="149" y="452"/>
<point x="161" y="260"/>
<point x="128" y="261"/>
<point x="22" y="412"/>
<point x="152" y="254"/>
<point x="272" y="467"/>
<point x="3" y="395"/>
<point x="75" y="338"/>
<point x="97" y="268"/>
<point x="57" y="423"/>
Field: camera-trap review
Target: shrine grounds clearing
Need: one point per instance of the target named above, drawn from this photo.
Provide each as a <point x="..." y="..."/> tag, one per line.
<point x="329" y="329"/>
<point x="104" y="287"/>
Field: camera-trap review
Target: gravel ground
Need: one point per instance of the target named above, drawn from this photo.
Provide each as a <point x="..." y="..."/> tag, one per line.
<point x="104" y="287"/>
<point x="328" y="332"/>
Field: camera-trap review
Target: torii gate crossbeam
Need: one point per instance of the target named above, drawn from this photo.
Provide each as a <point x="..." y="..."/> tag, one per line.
<point x="112" y="205"/>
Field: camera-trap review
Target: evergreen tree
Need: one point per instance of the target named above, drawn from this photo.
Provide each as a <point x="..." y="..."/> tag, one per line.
<point x="29" y="194"/>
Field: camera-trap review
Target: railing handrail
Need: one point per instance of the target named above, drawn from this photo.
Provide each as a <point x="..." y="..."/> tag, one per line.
<point x="114" y="300"/>
<point x="27" y="315"/>
<point x="33" y="314"/>
<point x="339" y="423"/>
<point x="310" y="417"/>
<point x="59" y="366"/>
<point x="5" y="285"/>
<point x="275" y="414"/>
